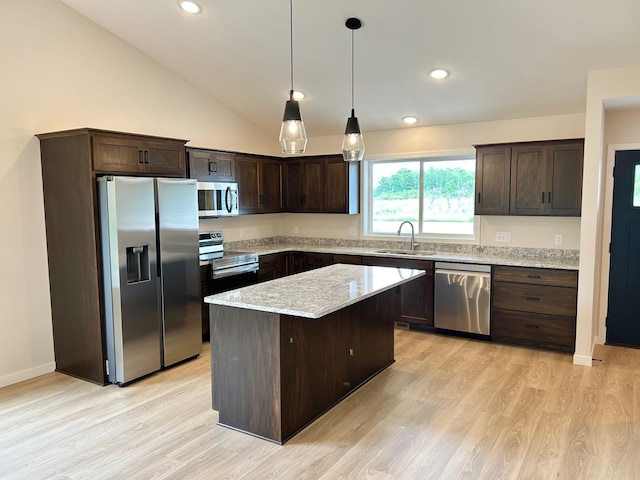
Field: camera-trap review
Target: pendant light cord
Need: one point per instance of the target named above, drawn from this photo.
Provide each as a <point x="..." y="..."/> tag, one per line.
<point x="352" y="74"/>
<point x="291" y="39"/>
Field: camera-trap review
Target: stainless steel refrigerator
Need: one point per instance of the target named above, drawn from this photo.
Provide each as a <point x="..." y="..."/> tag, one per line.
<point x="149" y="234"/>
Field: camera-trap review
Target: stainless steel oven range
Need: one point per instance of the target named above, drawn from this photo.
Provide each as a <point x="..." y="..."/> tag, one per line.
<point x="227" y="269"/>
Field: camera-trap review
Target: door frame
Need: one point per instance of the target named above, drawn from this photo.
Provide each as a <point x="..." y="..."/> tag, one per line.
<point x="605" y="263"/>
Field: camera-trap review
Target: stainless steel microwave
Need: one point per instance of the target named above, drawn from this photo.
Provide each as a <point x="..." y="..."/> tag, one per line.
<point x="219" y="199"/>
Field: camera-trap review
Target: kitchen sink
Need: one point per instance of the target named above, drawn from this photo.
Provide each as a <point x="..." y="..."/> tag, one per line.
<point x="418" y="253"/>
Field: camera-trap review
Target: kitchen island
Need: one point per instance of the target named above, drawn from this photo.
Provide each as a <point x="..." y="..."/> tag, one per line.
<point x="284" y="351"/>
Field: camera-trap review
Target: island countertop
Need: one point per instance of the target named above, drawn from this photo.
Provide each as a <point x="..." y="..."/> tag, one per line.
<point x="316" y="293"/>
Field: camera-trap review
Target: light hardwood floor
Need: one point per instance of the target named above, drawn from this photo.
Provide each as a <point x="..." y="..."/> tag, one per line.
<point x="449" y="408"/>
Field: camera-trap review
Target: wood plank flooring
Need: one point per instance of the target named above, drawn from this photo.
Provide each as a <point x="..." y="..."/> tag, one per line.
<point x="449" y="408"/>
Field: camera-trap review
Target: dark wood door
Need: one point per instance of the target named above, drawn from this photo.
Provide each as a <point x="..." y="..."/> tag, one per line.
<point x="528" y="180"/>
<point x="493" y="170"/>
<point x="313" y="184"/>
<point x="293" y="186"/>
<point x="336" y="184"/>
<point x="248" y="177"/>
<point x="211" y="166"/>
<point x="564" y="179"/>
<point x="115" y="154"/>
<point x="623" y="320"/>
<point x="164" y="158"/>
<point x="270" y="185"/>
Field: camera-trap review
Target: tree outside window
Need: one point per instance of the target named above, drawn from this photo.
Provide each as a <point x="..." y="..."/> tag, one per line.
<point x="435" y="194"/>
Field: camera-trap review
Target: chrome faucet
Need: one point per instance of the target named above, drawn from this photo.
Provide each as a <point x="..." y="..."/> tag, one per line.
<point x="413" y="238"/>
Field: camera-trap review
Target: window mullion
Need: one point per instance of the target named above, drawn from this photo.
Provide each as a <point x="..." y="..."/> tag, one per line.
<point x="421" y="198"/>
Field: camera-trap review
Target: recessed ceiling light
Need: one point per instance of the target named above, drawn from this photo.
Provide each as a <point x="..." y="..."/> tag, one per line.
<point x="189" y="7"/>
<point x="439" y="73"/>
<point x="410" y="120"/>
<point x="298" y="95"/>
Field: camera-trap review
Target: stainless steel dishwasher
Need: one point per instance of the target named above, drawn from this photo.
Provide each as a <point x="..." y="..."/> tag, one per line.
<point x="462" y="297"/>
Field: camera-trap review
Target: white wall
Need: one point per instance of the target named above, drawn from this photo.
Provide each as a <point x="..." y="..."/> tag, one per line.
<point x="61" y="71"/>
<point x="617" y="86"/>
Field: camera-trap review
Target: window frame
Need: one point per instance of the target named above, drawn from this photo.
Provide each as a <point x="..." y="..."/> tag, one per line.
<point x="423" y="159"/>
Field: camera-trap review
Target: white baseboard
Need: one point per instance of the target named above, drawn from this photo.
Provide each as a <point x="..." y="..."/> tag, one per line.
<point x="584" y="360"/>
<point x="27" y="374"/>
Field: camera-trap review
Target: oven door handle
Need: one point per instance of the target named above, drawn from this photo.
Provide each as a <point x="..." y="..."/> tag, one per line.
<point x="228" y="272"/>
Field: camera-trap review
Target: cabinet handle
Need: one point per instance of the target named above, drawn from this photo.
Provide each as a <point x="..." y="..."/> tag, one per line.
<point x="215" y="167"/>
<point x="140" y="159"/>
<point x="542" y="201"/>
<point x="261" y="199"/>
<point x="533" y="276"/>
<point x="533" y="299"/>
<point x="532" y="326"/>
<point x="479" y="196"/>
<point x="146" y="156"/>
<point x="210" y="166"/>
<point x="548" y="197"/>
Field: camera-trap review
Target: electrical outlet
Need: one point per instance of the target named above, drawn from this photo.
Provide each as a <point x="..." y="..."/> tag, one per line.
<point x="351" y="231"/>
<point x="503" y="237"/>
<point x="295" y="229"/>
<point x="559" y="239"/>
<point x="242" y="233"/>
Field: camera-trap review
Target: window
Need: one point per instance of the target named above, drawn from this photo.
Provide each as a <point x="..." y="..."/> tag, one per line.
<point x="435" y="194"/>
<point x="636" y="187"/>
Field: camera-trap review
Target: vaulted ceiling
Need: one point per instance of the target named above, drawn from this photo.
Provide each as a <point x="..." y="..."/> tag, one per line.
<point x="507" y="58"/>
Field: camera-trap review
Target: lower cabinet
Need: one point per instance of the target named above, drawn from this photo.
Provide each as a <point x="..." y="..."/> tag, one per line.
<point x="205" y="274"/>
<point x="272" y="266"/>
<point x="535" y="307"/>
<point x="415" y="305"/>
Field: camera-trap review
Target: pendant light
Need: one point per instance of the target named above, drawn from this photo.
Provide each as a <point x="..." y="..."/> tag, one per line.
<point x="293" y="136"/>
<point x="353" y="143"/>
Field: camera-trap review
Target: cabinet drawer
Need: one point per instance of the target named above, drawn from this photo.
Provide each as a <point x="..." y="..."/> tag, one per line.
<point x="350" y="259"/>
<point x="536" y="276"/>
<point x="268" y="261"/>
<point x="534" y="329"/>
<point x="535" y="298"/>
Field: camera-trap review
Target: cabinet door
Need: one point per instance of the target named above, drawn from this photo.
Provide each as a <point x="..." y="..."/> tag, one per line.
<point x="247" y="176"/>
<point x="270" y="185"/>
<point x="210" y="166"/>
<point x="164" y="158"/>
<point x="317" y="260"/>
<point x="528" y="180"/>
<point x="493" y="171"/>
<point x="564" y="179"/>
<point x="293" y="186"/>
<point x="313" y="184"/>
<point x="115" y="154"/>
<point x="336" y="185"/>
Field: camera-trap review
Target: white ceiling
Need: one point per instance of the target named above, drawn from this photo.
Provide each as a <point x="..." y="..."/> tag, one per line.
<point x="508" y="58"/>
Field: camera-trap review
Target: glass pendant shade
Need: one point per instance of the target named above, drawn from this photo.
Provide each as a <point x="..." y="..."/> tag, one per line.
<point x="293" y="137"/>
<point x="353" y="143"/>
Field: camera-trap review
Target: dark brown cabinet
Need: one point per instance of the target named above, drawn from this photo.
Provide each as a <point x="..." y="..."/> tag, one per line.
<point x="415" y="305"/>
<point x="260" y="187"/>
<point x="535" y="307"/>
<point x="493" y="170"/>
<point x="321" y="184"/>
<point x="210" y="165"/>
<point x="535" y="178"/>
<point x="70" y="161"/>
<point x="547" y="179"/>
<point x="136" y="154"/>
<point x="273" y="266"/>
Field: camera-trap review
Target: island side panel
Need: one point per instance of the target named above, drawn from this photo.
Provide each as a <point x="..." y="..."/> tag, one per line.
<point x="324" y="360"/>
<point x="245" y="366"/>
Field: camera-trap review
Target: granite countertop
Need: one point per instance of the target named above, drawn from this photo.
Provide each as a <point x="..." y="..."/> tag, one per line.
<point x="316" y="293"/>
<point x="516" y="260"/>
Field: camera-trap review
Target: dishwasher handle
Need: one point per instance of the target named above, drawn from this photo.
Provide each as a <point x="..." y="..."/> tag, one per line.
<point x="443" y="271"/>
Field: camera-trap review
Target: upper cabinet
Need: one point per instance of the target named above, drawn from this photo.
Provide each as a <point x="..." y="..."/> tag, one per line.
<point x="322" y="184"/>
<point x="493" y="170"/>
<point x="136" y="154"/>
<point x="210" y="165"/>
<point x="536" y="178"/>
<point x="260" y="187"/>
